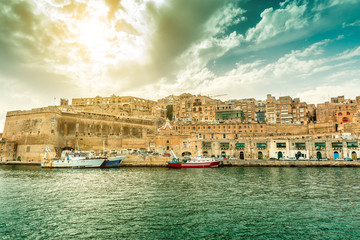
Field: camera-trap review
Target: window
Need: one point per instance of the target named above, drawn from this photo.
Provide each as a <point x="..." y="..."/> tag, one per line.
<point x="261" y="145"/>
<point x="281" y="145"/>
<point x="337" y="144"/>
<point x="300" y="145"/>
<point x="240" y="145"/>
<point x="224" y="145"/>
<point x="352" y="144"/>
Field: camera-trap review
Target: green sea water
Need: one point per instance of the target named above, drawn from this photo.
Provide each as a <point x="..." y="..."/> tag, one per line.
<point x="161" y="203"/>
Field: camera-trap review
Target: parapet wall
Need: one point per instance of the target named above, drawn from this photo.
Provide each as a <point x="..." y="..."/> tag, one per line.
<point x="287" y="129"/>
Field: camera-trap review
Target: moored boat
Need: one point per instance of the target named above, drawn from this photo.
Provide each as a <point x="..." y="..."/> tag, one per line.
<point x="70" y="159"/>
<point x="113" y="161"/>
<point x="194" y="162"/>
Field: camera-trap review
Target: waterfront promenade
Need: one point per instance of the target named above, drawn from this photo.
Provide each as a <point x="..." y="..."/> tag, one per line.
<point x="156" y="161"/>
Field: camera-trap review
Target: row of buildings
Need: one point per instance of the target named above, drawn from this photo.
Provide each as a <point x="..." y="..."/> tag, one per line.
<point x="297" y="144"/>
<point x="188" y="108"/>
<point x="195" y="124"/>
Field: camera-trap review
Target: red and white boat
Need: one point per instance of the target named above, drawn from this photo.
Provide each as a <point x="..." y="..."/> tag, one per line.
<point x="194" y="162"/>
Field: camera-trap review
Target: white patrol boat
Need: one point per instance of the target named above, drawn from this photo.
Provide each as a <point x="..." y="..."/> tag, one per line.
<point x="72" y="159"/>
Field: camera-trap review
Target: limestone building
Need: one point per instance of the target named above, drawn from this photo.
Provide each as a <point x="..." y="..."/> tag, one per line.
<point x="244" y="128"/>
<point x="99" y="124"/>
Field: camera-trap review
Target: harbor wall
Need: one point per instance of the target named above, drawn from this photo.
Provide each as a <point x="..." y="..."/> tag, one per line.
<point x="152" y="161"/>
<point x="145" y="161"/>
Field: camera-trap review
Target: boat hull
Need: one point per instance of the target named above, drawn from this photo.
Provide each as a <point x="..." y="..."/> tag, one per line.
<point x="77" y="163"/>
<point x="113" y="162"/>
<point x="194" y="164"/>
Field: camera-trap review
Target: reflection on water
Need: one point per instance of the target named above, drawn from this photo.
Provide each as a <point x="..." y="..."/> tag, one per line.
<point x="153" y="203"/>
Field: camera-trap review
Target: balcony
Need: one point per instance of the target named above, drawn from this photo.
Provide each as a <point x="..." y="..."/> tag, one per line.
<point x="320" y="145"/>
<point x="300" y="146"/>
<point x="352" y="145"/>
<point x="261" y="145"/>
<point x="240" y="145"/>
<point x="280" y="145"/>
<point x="337" y="145"/>
<point x="224" y="145"/>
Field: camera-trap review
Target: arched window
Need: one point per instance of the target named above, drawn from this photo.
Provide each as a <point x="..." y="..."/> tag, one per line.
<point x="186" y="154"/>
<point x="347" y="113"/>
<point x="340" y="114"/>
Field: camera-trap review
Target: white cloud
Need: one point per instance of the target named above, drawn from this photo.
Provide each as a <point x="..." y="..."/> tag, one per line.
<point x="348" y="54"/>
<point x="353" y="24"/>
<point x="314" y="49"/>
<point x="323" y="93"/>
<point x="298" y="70"/>
<point x="331" y="3"/>
<point x="273" y="22"/>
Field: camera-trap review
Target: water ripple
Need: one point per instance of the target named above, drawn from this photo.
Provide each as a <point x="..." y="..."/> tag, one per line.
<point x="160" y="203"/>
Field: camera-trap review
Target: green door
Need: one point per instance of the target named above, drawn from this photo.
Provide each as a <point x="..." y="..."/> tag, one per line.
<point x="318" y="155"/>
<point x="280" y="155"/>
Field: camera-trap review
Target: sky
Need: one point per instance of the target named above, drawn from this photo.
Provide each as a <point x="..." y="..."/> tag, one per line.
<point x="52" y="49"/>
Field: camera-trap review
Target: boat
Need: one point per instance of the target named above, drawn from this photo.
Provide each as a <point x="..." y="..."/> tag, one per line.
<point x="71" y="159"/>
<point x="193" y="162"/>
<point x="113" y="161"/>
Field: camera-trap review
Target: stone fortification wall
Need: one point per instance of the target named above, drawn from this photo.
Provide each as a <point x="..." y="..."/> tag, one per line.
<point x="145" y="161"/>
<point x="318" y="128"/>
<point x="352" y="128"/>
<point x="85" y="131"/>
<point x="287" y="129"/>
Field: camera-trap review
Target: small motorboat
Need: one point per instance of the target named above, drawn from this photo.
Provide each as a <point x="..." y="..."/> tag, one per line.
<point x="114" y="161"/>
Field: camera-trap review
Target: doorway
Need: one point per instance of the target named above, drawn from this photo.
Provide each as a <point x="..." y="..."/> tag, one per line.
<point x="354" y="156"/>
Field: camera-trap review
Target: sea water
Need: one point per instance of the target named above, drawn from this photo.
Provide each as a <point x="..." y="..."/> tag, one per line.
<point x="162" y="203"/>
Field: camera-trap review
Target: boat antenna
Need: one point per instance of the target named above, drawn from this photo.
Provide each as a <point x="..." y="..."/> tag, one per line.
<point x="173" y="154"/>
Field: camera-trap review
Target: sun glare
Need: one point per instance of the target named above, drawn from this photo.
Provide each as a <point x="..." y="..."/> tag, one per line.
<point x="92" y="42"/>
<point x="103" y="41"/>
<point x="92" y="33"/>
